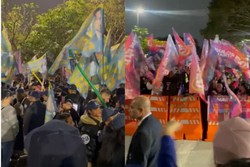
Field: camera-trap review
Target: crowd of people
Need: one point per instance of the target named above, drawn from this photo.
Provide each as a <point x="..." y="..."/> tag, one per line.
<point x="177" y="83"/>
<point x="26" y="130"/>
<point x="85" y="133"/>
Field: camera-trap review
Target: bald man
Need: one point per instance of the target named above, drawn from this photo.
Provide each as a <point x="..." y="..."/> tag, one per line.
<point x="145" y="144"/>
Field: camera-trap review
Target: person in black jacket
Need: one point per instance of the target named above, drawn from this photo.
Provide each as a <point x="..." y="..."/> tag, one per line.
<point x="145" y="143"/>
<point x="113" y="144"/>
<point x="170" y="84"/>
<point x="76" y="98"/>
<point x="68" y="107"/>
<point x="35" y="114"/>
<point x="90" y="127"/>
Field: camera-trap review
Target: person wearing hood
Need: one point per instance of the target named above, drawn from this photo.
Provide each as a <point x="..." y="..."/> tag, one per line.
<point x="111" y="153"/>
<point x="90" y="127"/>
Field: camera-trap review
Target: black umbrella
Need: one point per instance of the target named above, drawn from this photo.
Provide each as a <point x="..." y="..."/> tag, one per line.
<point x="55" y="144"/>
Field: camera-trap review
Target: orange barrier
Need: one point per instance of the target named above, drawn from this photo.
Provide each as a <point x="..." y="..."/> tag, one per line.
<point x="211" y="131"/>
<point x="159" y="109"/>
<point x="187" y="111"/>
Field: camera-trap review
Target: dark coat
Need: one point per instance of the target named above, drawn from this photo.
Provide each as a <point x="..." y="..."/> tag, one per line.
<point x="145" y="144"/>
<point x="112" y="150"/>
<point x="34" y="116"/>
<point x="171" y="85"/>
<point x="90" y="130"/>
<point x="56" y="144"/>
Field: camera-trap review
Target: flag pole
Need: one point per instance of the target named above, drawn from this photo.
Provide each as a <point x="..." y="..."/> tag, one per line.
<point x="38" y="79"/>
<point x="89" y="82"/>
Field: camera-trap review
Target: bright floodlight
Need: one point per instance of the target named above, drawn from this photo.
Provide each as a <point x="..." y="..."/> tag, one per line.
<point x="140" y="10"/>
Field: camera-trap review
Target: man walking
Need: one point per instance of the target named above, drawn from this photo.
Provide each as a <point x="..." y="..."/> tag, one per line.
<point x="145" y="143"/>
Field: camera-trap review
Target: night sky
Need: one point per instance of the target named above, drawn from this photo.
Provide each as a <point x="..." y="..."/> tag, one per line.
<point x="183" y="15"/>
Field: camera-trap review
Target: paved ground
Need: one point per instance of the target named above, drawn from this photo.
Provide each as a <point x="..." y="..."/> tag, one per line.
<point x="190" y="153"/>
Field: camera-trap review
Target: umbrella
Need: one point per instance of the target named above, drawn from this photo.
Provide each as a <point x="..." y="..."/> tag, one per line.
<point x="55" y="144"/>
<point x="232" y="140"/>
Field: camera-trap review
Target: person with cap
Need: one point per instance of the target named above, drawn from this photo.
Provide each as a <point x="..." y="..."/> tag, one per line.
<point x="90" y="127"/>
<point x="35" y="114"/>
<point x="145" y="143"/>
<point x="56" y="144"/>
<point x="112" y="150"/>
<point x="75" y="97"/>
<point x="68" y="108"/>
<point x="231" y="141"/>
<point x="105" y="94"/>
<point x="108" y="115"/>
<point x="9" y="125"/>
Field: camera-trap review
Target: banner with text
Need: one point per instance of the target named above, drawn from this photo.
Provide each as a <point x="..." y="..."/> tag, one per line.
<point x="219" y="108"/>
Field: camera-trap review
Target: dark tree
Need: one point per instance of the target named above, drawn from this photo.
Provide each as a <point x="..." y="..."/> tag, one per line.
<point x="230" y="19"/>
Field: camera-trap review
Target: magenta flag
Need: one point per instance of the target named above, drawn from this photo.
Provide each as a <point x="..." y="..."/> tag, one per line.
<point x="135" y="66"/>
<point x="184" y="51"/>
<point x="237" y="108"/>
<point x="231" y="57"/>
<point x="169" y="62"/>
<point x="210" y="66"/>
<point x="204" y="53"/>
<point x="196" y="83"/>
<point x="188" y="39"/>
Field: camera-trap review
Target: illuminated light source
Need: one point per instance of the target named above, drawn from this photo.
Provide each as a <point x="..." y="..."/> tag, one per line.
<point x="138" y="12"/>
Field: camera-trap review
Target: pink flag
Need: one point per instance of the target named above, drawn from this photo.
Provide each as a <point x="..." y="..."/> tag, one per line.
<point x="237" y="108"/>
<point x="196" y="83"/>
<point x="183" y="50"/>
<point x="18" y="61"/>
<point x="169" y="62"/>
<point x="211" y="61"/>
<point x="205" y="49"/>
<point x="132" y="77"/>
<point x="188" y="39"/>
<point x="231" y="57"/>
<point x="135" y="66"/>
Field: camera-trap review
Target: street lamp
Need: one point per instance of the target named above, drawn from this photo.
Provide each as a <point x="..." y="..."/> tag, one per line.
<point x="138" y="11"/>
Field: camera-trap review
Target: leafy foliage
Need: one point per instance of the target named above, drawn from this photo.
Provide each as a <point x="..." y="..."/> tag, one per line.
<point x="230" y="19"/>
<point x="19" y="21"/>
<point x="50" y="31"/>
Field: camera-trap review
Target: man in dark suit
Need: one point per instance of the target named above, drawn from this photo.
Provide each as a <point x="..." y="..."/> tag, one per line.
<point x="145" y="144"/>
